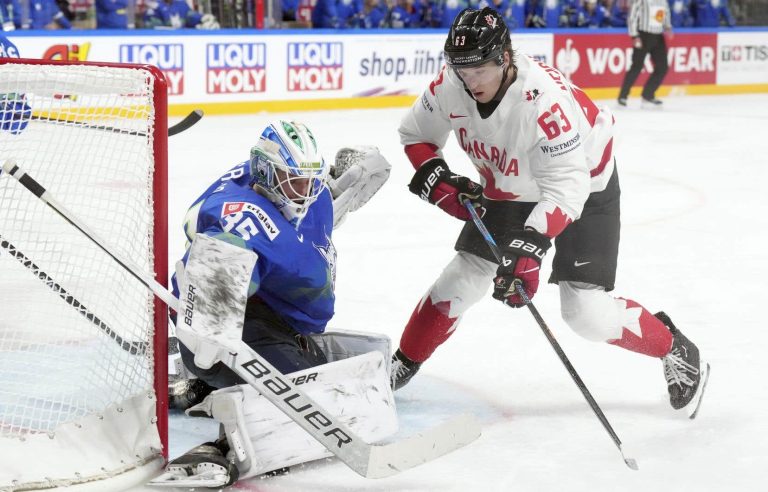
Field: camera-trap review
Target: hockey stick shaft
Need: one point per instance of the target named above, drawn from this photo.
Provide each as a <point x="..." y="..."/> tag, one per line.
<point x="550" y="336"/>
<point x="179" y="127"/>
<point x="39" y="191"/>
<point x="134" y="348"/>
<point x="368" y="460"/>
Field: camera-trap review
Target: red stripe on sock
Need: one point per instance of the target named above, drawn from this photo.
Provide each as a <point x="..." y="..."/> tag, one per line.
<point x="428" y="327"/>
<point x="656" y="339"/>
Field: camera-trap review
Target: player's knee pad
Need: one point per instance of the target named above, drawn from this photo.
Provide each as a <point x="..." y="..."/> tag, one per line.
<point x="463" y="282"/>
<point x="590" y="311"/>
<point x="262" y="438"/>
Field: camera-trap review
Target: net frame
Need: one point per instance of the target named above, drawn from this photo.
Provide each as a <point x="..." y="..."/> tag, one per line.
<point x="159" y="238"/>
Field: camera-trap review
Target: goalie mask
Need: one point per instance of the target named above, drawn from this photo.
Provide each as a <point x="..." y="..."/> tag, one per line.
<point x="288" y="169"/>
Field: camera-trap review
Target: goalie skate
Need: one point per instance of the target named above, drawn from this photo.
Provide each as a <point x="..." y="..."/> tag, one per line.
<point x="203" y="466"/>
<point x="685" y="371"/>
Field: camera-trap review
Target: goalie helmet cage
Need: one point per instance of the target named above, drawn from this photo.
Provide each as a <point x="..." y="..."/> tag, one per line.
<point x="83" y="344"/>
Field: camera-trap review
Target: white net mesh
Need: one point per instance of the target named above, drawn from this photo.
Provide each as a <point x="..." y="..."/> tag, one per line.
<point x="75" y="328"/>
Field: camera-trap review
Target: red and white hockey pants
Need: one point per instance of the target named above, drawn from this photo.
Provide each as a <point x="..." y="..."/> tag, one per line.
<point x="587" y="309"/>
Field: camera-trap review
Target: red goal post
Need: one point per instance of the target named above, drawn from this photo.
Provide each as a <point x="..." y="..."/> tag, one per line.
<point x="83" y="345"/>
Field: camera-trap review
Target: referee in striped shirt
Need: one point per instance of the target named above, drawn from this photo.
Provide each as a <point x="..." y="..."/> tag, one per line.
<point x="648" y="19"/>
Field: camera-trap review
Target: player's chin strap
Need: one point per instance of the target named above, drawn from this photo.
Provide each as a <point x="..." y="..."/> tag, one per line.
<point x="630" y="462"/>
<point x="502" y="86"/>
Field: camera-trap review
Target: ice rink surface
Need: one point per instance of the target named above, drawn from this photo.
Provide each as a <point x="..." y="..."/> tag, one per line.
<point x="695" y="222"/>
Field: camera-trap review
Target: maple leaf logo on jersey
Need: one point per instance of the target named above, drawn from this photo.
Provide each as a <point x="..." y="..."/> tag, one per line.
<point x="491" y="190"/>
<point x="532" y="95"/>
<point x="491" y="20"/>
<point x="557" y="220"/>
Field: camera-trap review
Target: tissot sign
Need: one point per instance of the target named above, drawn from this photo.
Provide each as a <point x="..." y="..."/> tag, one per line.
<point x="601" y="60"/>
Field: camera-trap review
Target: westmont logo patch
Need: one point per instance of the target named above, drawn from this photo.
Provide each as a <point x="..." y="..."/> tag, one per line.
<point x="315" y="66"/>
<point x="235" y="68"/>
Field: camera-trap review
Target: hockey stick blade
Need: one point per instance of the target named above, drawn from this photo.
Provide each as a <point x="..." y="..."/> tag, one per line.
<point x="186" y="123"/>
<point x="388" y="459"/>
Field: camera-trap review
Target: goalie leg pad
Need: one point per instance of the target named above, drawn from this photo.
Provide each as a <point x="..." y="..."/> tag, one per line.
<point x="263" y="439"/>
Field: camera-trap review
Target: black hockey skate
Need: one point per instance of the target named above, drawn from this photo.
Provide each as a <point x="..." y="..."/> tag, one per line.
<point x="403" y="369"/>
<point x="685" y="371"/>
<point x="185" y="393"/>
<point x="203" y="466"/>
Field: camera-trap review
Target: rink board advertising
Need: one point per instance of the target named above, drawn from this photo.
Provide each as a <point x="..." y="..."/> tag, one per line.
<point x="229" y="69"/>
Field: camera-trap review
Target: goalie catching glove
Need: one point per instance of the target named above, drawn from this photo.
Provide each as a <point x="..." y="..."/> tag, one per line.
<point x="520" y="263"/>
<point x="435" y="183"/>
<point x="357" y="174"/>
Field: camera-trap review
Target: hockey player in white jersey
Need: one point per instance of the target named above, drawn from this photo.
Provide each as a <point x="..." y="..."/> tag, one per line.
<point x="544" y="153"/>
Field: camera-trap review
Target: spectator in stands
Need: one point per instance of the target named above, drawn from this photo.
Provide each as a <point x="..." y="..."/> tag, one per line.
<point x="711" y="13"/>
<point x="680" y="13"/>
<point x="325" y="15"/>
<point x="534" y="14"/>
<point x="156" y="14"/>
<point x="10" y="14"/>
<point x="46" y="14"/>
<point x="427" y="9"/>
<point x="346" y="10"/>
<point x="372" y="15"/>
<point x="176" y="14"/>
<point x="404" y="14"/>
<point x="591" y="15"/>
<point x="553" y="11"/>
<point x="618" y="11"/>
<point x="450" y="9"/>
<point x="290" y="10"/>
<point x="112" y="14"/>
<point x="516" y="18"/>
<point x="569" y="10"/>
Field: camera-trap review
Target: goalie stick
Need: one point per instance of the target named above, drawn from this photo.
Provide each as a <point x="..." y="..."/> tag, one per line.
<point x="179" y="127"/>
<point x="134" y="348"/>
<point x="630" y="462"/>
<point x="368" y="460"/>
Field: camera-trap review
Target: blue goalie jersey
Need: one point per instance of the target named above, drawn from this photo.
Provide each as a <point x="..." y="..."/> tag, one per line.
<point x="295" y="270"/>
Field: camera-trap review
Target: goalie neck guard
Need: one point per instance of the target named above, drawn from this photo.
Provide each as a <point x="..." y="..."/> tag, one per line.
<point x="288" y="168"/>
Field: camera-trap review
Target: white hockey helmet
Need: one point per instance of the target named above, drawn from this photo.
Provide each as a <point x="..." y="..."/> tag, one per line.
<point x="288" y="169"/>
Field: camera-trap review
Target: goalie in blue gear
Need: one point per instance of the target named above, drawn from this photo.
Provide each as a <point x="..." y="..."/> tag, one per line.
<point x="280" y="206"/>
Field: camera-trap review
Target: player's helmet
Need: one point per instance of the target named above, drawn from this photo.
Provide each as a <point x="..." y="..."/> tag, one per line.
<point x="287" y="168"/>
<point x="475" y="37"/>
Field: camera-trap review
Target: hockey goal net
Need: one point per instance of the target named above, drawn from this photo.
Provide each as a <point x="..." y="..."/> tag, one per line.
<point x="82" y="342"/>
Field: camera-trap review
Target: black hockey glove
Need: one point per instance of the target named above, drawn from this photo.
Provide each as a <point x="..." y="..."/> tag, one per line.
<point x="520" y="262"/>
<point x="435" y="183"/>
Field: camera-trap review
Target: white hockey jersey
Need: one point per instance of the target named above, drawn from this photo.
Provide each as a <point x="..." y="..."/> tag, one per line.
<point x="546" y="142"/>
